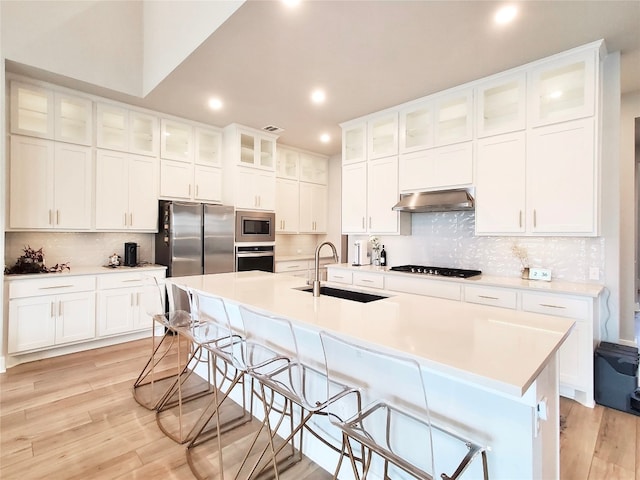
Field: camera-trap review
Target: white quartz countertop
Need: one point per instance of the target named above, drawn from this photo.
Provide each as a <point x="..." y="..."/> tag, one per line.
<point x="554" y="286"/>
<point x="503" y="350"/>
<point x="84" y="270"/>
<point x="301" y="257"/>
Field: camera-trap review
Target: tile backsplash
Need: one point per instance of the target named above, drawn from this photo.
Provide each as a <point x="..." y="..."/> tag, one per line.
<point x="296" y="244"/>
<point x="79" y="249"/>
<point x="447" y="240"/>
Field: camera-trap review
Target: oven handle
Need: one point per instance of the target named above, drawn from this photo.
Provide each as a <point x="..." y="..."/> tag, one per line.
<point x="254" y="254"/>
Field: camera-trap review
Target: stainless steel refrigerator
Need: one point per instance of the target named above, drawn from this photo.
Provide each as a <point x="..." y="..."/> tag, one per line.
<point x="195" y="238"/>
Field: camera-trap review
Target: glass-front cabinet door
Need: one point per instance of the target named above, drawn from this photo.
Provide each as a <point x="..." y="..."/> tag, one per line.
<point x="453" y="114"/>
<point x="177" y="141"/>
<point x="287" y="163"/>
<point x="73" y="119"/>
<point x="208" y="147"/>
<point x="267" y="153"/>
<point x="113" y="127"/>
<point x="416" y="127"/>
<point x="382" y="136"/>
<point x="354" y="143"/>
<point x="31" y="110"/>
<point x="501" y="106"/>
<point x="143" y="134"/>
<point x="563" y="89"/>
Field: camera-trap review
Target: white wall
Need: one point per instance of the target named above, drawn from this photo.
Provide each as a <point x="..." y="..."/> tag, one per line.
<point x="95" y="41"/>
<point x="172" y="30"/>
<point x="629" y="211"/>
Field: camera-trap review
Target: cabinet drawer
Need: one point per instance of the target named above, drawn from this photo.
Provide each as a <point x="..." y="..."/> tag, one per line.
<point x="556" y="305"/>
<point x="496" y="297"/>
<point x="292" y="266"/>
<point x="51" y="286"/>
<point x="127" y="279"/>
<point x="368" y="280"/>
<point x="339" y="276"/>
<point x="421" y="286"/>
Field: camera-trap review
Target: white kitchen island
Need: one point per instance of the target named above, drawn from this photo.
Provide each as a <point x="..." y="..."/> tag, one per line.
<point x="492" y="371"/>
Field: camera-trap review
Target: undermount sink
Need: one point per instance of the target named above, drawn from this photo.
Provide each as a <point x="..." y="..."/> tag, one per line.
<point x="361" y="297"/>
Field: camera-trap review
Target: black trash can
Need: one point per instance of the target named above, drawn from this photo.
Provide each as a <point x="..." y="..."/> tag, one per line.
<point x="616" y="377"/>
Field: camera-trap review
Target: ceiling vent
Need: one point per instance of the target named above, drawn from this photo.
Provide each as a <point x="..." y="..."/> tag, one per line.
<point x="273" y="129"/>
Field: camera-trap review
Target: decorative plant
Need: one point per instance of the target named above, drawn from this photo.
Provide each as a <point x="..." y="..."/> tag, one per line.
<point x="32" y="261"/>
<point x="521" y="254"/>
<point x="375" y="243"/>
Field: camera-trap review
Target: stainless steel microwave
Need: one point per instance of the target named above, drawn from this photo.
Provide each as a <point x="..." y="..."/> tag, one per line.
<point x="253" y="226"/>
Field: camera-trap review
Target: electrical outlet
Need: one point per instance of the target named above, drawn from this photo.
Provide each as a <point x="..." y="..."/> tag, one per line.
<point x="540" y="274"/>
<point x="594" y="273"/>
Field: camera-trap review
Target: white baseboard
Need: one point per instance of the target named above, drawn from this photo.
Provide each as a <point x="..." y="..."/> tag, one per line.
<point x="3" y="365"/>
<point x="628" y="343"/>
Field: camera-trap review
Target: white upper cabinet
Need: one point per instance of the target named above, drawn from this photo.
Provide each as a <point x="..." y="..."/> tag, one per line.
<point x="41" y="112"/>
<point x="442" y="167"/>
<point x="354" y="143"/>
<point x="125" y="130"/>
<point x="562" y="186"/>
<point x="126" y="192"/>
<point x="143" y="134"/>
<point x="416" y="127"/>
<point x="207" y="184"/>
<point x="287" y="205"/>
<point x="453" y="117"/>
<point x="50" y="185"/>
<point x="252" y="148"/>
<point x="112" y="127"/>
<point x="313" y="208"/>
<point x="73" y="119"/>
<point x="314" y="168"/>
<point x="382" y="136"/>
<point x="563" y="88"/>
<point x="287" y="163"/>
<point x="176" y="140"/>
<point x="208" y="147"/>
<point x="501" y="184"/>
<point x="354" y="198"/>
<point x="501" y="105"/>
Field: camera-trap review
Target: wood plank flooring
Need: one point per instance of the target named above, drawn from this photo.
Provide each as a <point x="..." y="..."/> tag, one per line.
<point x="74" y="417"/>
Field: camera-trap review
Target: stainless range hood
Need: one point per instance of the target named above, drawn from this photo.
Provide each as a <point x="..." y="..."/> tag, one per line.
<point x="441" y="201"/>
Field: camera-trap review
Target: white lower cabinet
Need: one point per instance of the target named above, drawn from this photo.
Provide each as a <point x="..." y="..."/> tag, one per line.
<point x="575" y="366"/>
<point x="575" y="357"/>
<point x="121" y="304"/>
<point x="44" y="314"/>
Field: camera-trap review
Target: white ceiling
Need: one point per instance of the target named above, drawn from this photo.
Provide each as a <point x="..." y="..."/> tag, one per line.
<point x="368" y="55"/>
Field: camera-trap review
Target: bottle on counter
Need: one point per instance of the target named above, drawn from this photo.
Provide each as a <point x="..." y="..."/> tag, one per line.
<point x="383" y="257"/>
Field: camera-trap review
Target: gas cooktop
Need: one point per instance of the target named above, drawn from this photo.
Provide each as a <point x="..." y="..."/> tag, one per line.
<point x="439" y="271"/>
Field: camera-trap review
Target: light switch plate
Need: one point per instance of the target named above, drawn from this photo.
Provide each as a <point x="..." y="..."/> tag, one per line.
<point x="540" y="274"/>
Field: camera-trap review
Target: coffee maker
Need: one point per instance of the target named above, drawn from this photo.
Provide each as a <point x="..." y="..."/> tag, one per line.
<point x="130" y="254"/>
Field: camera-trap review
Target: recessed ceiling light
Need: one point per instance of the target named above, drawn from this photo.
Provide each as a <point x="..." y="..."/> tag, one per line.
<point x="505" y="14"/>
<point x="318" y="96"/>
<point x="291" y="3"/>
<point x="325" y="138"/>
<point x="215" y="103"/>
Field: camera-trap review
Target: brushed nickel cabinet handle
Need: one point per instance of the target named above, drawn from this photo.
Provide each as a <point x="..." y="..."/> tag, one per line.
<point x="520" y="219"/>
<point x="52" y="313"/>
<point x="57" y="217"/>
<point x="50" y="217"/>
<point x="60" y="311"/>
<point x="197" y="189"/>
<point x="535" y="220"/>
<point x="189" y="190"/>
<point x="54" y="287"/>
<point x="363" y="223"/>
<point x="552" y="306"/>
<point x="125" y="219"/>
<point x="132" y="302"/>
<point x="131" y="219"/>
<point x="488" y="297"/>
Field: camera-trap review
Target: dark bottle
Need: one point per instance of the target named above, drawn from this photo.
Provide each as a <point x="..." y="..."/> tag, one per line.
<point x="383" y="257"/>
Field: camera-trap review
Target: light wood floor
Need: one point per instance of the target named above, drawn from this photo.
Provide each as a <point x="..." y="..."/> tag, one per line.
<point x="74" y="417"/>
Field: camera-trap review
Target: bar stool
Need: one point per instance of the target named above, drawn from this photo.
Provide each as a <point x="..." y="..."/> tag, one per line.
<point x="172" y="416"/>
<point x="271" y="356"/>
<point x="227" y="375"/>
<point x="389" y="418"/>
<point x="159" y="373"/>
